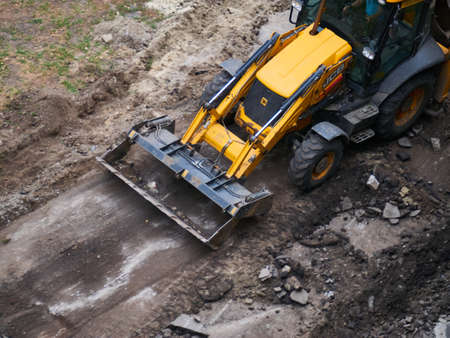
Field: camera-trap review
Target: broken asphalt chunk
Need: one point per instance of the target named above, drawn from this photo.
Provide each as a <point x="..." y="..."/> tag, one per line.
<point x="391" y="211"/>
<point x="189" y="324"/>
<point x="435" y="143"/>
<point x="373" y="183"/>
<point x="300" y="297"/>
<point x="404" y="142"/>
<point x="267" y="272"/>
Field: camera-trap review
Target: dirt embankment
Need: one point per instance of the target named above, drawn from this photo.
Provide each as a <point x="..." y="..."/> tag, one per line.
<point x="139" y="61"/>
<point x="77" y="265"/>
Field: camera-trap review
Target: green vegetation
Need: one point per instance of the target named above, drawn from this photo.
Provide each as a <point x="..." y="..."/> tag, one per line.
<point x="70" y="86"/>
<point x="46" y="39"/>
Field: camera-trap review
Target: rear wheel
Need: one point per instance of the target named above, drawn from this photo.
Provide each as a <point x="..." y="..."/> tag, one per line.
<point x="315" y="161"/>
<point x="213" y="87"/>
<point x="404" y="106"/>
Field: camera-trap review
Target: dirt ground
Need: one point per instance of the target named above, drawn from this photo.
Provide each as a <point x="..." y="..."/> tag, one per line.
<point x="83" y="256"/>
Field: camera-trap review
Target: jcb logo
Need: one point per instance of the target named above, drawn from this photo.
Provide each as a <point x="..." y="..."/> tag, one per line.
<point x="264" y="101"/>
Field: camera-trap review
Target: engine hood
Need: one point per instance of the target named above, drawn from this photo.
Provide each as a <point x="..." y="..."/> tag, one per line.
<point x="297" y="61"/>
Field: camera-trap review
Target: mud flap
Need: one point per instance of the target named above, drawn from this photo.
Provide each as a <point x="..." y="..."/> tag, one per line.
<point x="186" y="186"/>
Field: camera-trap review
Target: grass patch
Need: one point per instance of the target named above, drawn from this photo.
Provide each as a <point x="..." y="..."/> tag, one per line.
<point x="71" y="87"/>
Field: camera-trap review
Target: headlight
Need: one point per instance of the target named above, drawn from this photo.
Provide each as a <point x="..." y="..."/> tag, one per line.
<point x="298" y="5"/>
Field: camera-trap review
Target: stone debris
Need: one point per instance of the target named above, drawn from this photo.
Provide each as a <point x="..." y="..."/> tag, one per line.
<point x="107" y="38"/>
<point x="292" y="283"/>
<point x="300" y="297"/>
<point x="404" y="191"/>
<point x="436" y="143"/>
<point x="266" y="273"/>
<point x="188" y="323"/>
<point x="403" y="156"/>
<point x="373" y="183"/>
<point x="359" y="213"/>
<point x="152" y="187"/>
<point x="371" y="303"/>
<point x="391" y="211"/>
<point x="277" y="289"/>
<point x="415" y="213"/>
<point x="375" y="210"/>
<point x="213" y="288"/>
<point x="417" y="129"/>
<point x="281" y="294"/>
<point x="442" y="328"/>
<point x="285" y="271"/>
<point x="404" y="142"/>
<point x="248" y="301"/>
<point x="394" y="221"/>
<point x="408" y="200"/>
<point x="346" y="204"/>
<point x="330" y="294"/>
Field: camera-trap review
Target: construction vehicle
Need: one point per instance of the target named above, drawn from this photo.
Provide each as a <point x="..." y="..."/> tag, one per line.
<point x="361" y="69"/>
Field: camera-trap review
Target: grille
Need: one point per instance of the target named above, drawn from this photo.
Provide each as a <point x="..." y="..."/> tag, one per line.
<point x="254" y="107"/>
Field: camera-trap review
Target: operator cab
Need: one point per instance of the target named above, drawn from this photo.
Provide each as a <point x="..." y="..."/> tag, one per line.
<point x="381" y="34"/>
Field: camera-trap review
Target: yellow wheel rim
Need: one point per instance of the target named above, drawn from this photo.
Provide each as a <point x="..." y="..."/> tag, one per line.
<point x="409" y="107"/>
<point x="323" y="166"/>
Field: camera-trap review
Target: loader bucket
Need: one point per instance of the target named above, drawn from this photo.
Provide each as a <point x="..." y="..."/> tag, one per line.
<point x="182" y="183"/>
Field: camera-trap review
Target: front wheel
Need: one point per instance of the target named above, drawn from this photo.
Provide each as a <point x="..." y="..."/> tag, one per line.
<point x="315" y="161"/>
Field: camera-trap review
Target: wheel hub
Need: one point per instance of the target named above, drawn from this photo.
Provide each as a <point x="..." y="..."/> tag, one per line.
<point x="409" y="107"/>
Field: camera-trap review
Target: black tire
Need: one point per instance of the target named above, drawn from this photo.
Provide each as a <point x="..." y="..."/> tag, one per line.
<point x="312" y="152"/>
<point x="213" y="87"/>
<point x="396" y="116"/>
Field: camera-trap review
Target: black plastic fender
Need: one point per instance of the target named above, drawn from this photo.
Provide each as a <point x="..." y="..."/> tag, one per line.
<point x="427" y="56"/>
<point x="329" y="131"/>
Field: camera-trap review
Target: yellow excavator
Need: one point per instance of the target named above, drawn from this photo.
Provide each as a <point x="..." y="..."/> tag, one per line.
<point x="347" y="72"/>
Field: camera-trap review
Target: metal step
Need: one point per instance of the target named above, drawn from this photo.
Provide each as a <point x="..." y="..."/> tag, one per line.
<point x="362" y="136"/>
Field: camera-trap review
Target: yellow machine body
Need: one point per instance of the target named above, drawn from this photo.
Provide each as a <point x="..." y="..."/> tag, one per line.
<point x="289" y="64"/>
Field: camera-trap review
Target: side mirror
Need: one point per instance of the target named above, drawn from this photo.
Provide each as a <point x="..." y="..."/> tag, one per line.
<point x="296" y="8"/>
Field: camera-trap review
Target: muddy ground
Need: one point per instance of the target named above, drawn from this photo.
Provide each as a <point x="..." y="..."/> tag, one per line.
<point x="83" y="256"/>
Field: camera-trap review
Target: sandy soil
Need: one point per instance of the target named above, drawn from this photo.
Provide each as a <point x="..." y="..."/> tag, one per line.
<point x="77" y="263"/>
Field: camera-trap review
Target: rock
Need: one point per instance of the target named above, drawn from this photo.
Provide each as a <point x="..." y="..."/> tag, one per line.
<point x="375" y="210"/>
<point x="371" y="303"/>
<point x="266" y="273"/>
<point x="153" y="187"/>
<point x="107" y="38"/>
<point x="213" y="288"/>
<point x="404" y="191"/>
<point x="281" y="294"/>
<point x="300" y="297"/>
<point x="394" y="221"/>
<point x="404" y="142"/>
<point x="403" y="156"/>
<point x="285" y="271"/>
<point x="442" y="328"/>
<point x="359" y="213"/>
<point x="330" y="294"/>
<point x="417" y="129"/>
<point x="415" y="213"/>
<point x="346" y="204"/>
<point x="248" y="301"/>
<point x="408" y="200"/>
<point x="188" y="323"/>
<point x="391" y="211"/>
<point x="292" y="283"/>
<point x="436" y="143"/>
<point x="373" y="183"/>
